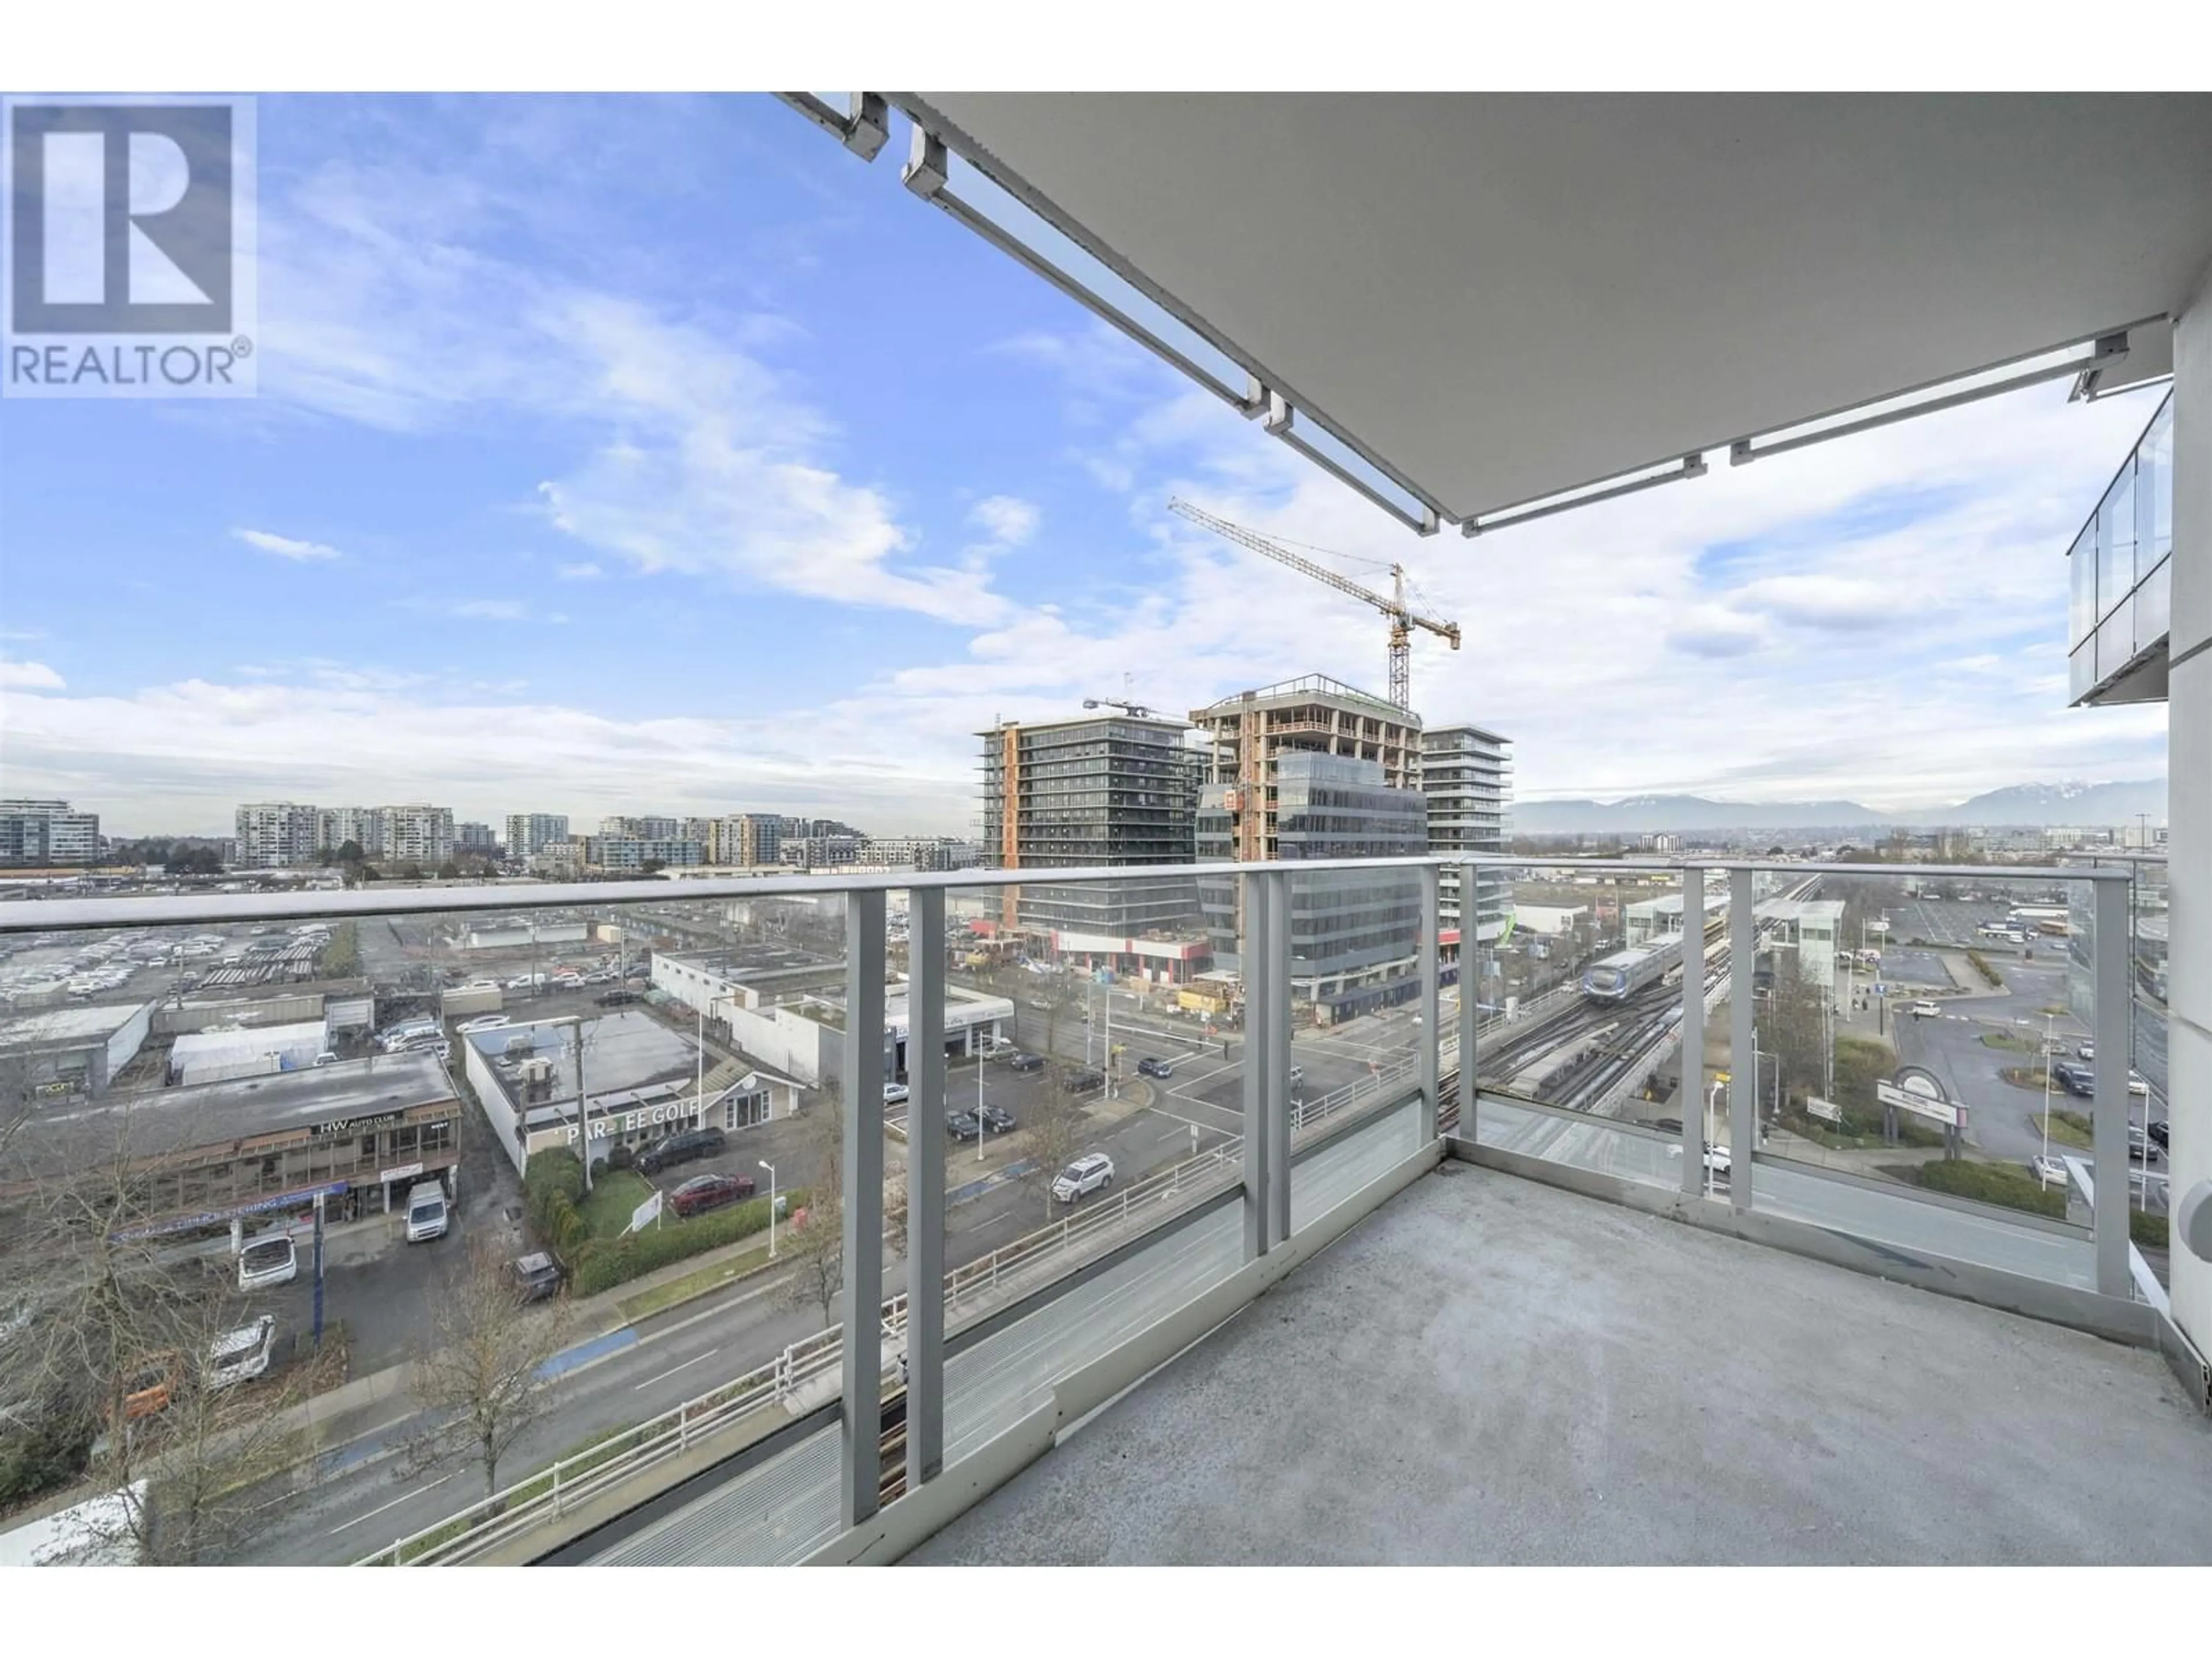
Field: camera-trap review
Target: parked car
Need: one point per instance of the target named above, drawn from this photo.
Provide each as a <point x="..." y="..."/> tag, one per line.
<point x="241" y="1355"/>
<point x="1153" y="1066"/>
<point x="536" y="1276"/>
<point x="483" y="1023"/>
<point x="998" y="1121"/>
<point x="2137" y="1082"/>
<point x="709" y="1192"/>
<point x="2086" y="1051"/>
<point x="274" y="1259"/>
<point x="1923" y="1010"/>
<point x="964" y="1125"/>
<point x="427" y="1215"/>
<point x="2048" y="1170"/>
<point x="2158" y="1133"/>
<point x="618" y="999"/>
<point x="686" y="1148"/>
<point x="994" y="1048"/>
<point x="894" y="1094"/>
<point x="1091" y="1174"/>
<point x="2075" y="1080"/>
<point x="637" y="970"/>
<point x="1082" y="1083"/>
<point x="601" y="976"/>
<point x="1026" y="1063"/>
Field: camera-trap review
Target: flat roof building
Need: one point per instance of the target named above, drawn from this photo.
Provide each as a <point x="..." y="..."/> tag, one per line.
<point x="73" y="1051"/>
<point x="1090" y="791"/>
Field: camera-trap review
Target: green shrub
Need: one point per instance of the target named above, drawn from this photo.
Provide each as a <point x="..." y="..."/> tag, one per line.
<point x="1982" y="966"/>
<point x="554" y="1173"/>
<point x="601" y="1264"/>
<point x="2148" y="1231"/>
<point x="1993" y="1184"/>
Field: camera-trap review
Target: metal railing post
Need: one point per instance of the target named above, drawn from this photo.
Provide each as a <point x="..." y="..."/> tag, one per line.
<point x="1259" y="1006"/>
<point x="925" y="1188"/>
<point x="1743" y="1043"/>
<point x="2115" y="1009"/>
<point x="1470" y="1003"/>
<point x="1430" y="1046"/>
<point x="1693" y="1030"/>
<point x="1278" y="1110"/>
<point x="860" y="1450"/>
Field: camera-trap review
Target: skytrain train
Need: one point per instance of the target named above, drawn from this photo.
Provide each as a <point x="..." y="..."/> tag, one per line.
<point x="1622" y="975"/>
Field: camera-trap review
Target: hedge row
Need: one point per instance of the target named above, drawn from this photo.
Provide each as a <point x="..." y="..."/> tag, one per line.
<point x="602" y="1264"/>
<point x="1993" y="1184"/>
<point x="1982" y="966"/>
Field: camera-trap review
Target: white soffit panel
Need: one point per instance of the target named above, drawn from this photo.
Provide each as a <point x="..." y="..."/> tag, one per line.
<point x="1507" y="296"/>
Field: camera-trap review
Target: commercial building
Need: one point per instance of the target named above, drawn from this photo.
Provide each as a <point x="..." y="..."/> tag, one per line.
<point x="72" y="1051"/>
<point x="358" y="1133"/>
<point x="642" y="829"/>
<point x="1466" y="775"/>
<point x="476" y="838"/>
<point x="1094" y="791"/>
<point x="641" y="1082"/>
<point x="37" y="833"/>
<point x="531" y="832"/>
<point x="1312" y="768"/>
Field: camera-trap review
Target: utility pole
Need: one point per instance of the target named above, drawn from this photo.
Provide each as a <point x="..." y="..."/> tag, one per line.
<point x="583" y="1114"/>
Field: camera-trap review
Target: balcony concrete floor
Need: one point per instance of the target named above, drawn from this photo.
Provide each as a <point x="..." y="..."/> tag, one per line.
<point x="1489" y="1370"/>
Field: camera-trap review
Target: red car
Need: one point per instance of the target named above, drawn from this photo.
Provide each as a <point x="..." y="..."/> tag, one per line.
<point x="709" y="1192"/>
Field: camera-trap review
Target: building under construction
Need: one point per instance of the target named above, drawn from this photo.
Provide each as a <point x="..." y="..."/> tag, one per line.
<point x="1100" y="789"/>
<point x="1312" y="768"/>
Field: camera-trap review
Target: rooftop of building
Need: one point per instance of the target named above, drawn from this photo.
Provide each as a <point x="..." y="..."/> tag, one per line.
<point x="159" y="1120"/>
<point x="1453" y="729"/>
<point x="1490" y="1370"/>
<point x="1166" y="724"/>
<point x="624" y="1050"/>
<point x="51" y="1027"/>
<point x="1309" y="688"/>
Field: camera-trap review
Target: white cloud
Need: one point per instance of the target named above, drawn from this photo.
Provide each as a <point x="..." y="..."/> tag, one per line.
<point x="492" y="609"/>
<point x="580" y="573"/>
<point x="1007" y="519"/>
<point x="30" y="677"/>
<point x="286" y="547"/>
<point x="689" y="456"/>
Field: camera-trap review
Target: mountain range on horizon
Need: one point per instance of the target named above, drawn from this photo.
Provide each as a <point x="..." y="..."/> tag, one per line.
<point x="2097" y="806"/>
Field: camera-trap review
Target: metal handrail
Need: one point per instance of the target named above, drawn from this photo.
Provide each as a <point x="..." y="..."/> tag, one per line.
<point x="509" y="1512"/>
<point x="62" y="915"/>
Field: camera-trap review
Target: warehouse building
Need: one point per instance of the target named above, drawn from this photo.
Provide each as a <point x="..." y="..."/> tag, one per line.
<point x="73" y="1051"/>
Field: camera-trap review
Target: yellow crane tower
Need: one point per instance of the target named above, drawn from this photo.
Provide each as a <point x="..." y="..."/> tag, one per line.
<point x="1403" y="618"/>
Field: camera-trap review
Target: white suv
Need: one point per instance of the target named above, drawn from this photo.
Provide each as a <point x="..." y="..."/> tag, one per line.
<point x="1092" y="1174"/>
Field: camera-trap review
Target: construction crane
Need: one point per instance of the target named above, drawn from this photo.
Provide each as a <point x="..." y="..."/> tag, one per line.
<point x="1135" y="710"/>
<point x="1403" y="618"/>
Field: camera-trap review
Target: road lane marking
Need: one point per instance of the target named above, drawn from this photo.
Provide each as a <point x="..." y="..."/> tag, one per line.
<point x="393" y="1504"/>
<point x="672" y="1369"/>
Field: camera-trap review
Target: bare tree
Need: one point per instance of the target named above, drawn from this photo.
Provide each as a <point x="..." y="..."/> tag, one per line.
<point x="1056" y="1132"/>
<point x="817" y="1253"/>
<point x="117" y="1341"/>
<point x="479" y="1372"/>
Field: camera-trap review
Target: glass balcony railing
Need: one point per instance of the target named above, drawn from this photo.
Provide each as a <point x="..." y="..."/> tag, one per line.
<point x="786" y="1197"/>
<point x="2120" y="576"/>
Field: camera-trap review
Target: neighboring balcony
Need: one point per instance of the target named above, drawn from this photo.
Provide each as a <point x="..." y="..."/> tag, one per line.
<point x="1708" y="1266"/>
<point x="2120" y="577"/>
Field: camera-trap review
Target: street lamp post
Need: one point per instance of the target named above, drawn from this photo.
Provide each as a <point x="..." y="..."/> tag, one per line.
<point x="2046" y="1093"/>
<point x="770" y="1168"/>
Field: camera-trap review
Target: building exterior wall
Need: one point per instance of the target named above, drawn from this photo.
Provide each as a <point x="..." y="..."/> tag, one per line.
<point x="1466" y="775"/>
<point x="40" y="833"/>
<point x="2189" y="804"/>
<point x="272" y="834"/>
<point x="1105" y="791"/>
<point x="533" y="832"/>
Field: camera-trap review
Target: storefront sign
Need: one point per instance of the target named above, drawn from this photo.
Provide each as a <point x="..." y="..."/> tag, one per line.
<point x="355" y="1126"/>
<point x="401" y="1173"/>
<point x="300" y="1200"/>
<point x="616" y="1123"/>
<point x="1824" y="1109"/>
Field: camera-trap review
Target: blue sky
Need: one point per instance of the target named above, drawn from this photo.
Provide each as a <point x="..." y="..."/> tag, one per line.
<point x="656" y="454"/>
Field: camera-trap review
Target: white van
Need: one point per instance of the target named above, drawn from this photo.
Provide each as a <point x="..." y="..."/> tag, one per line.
<point x="426" y="1212"/>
